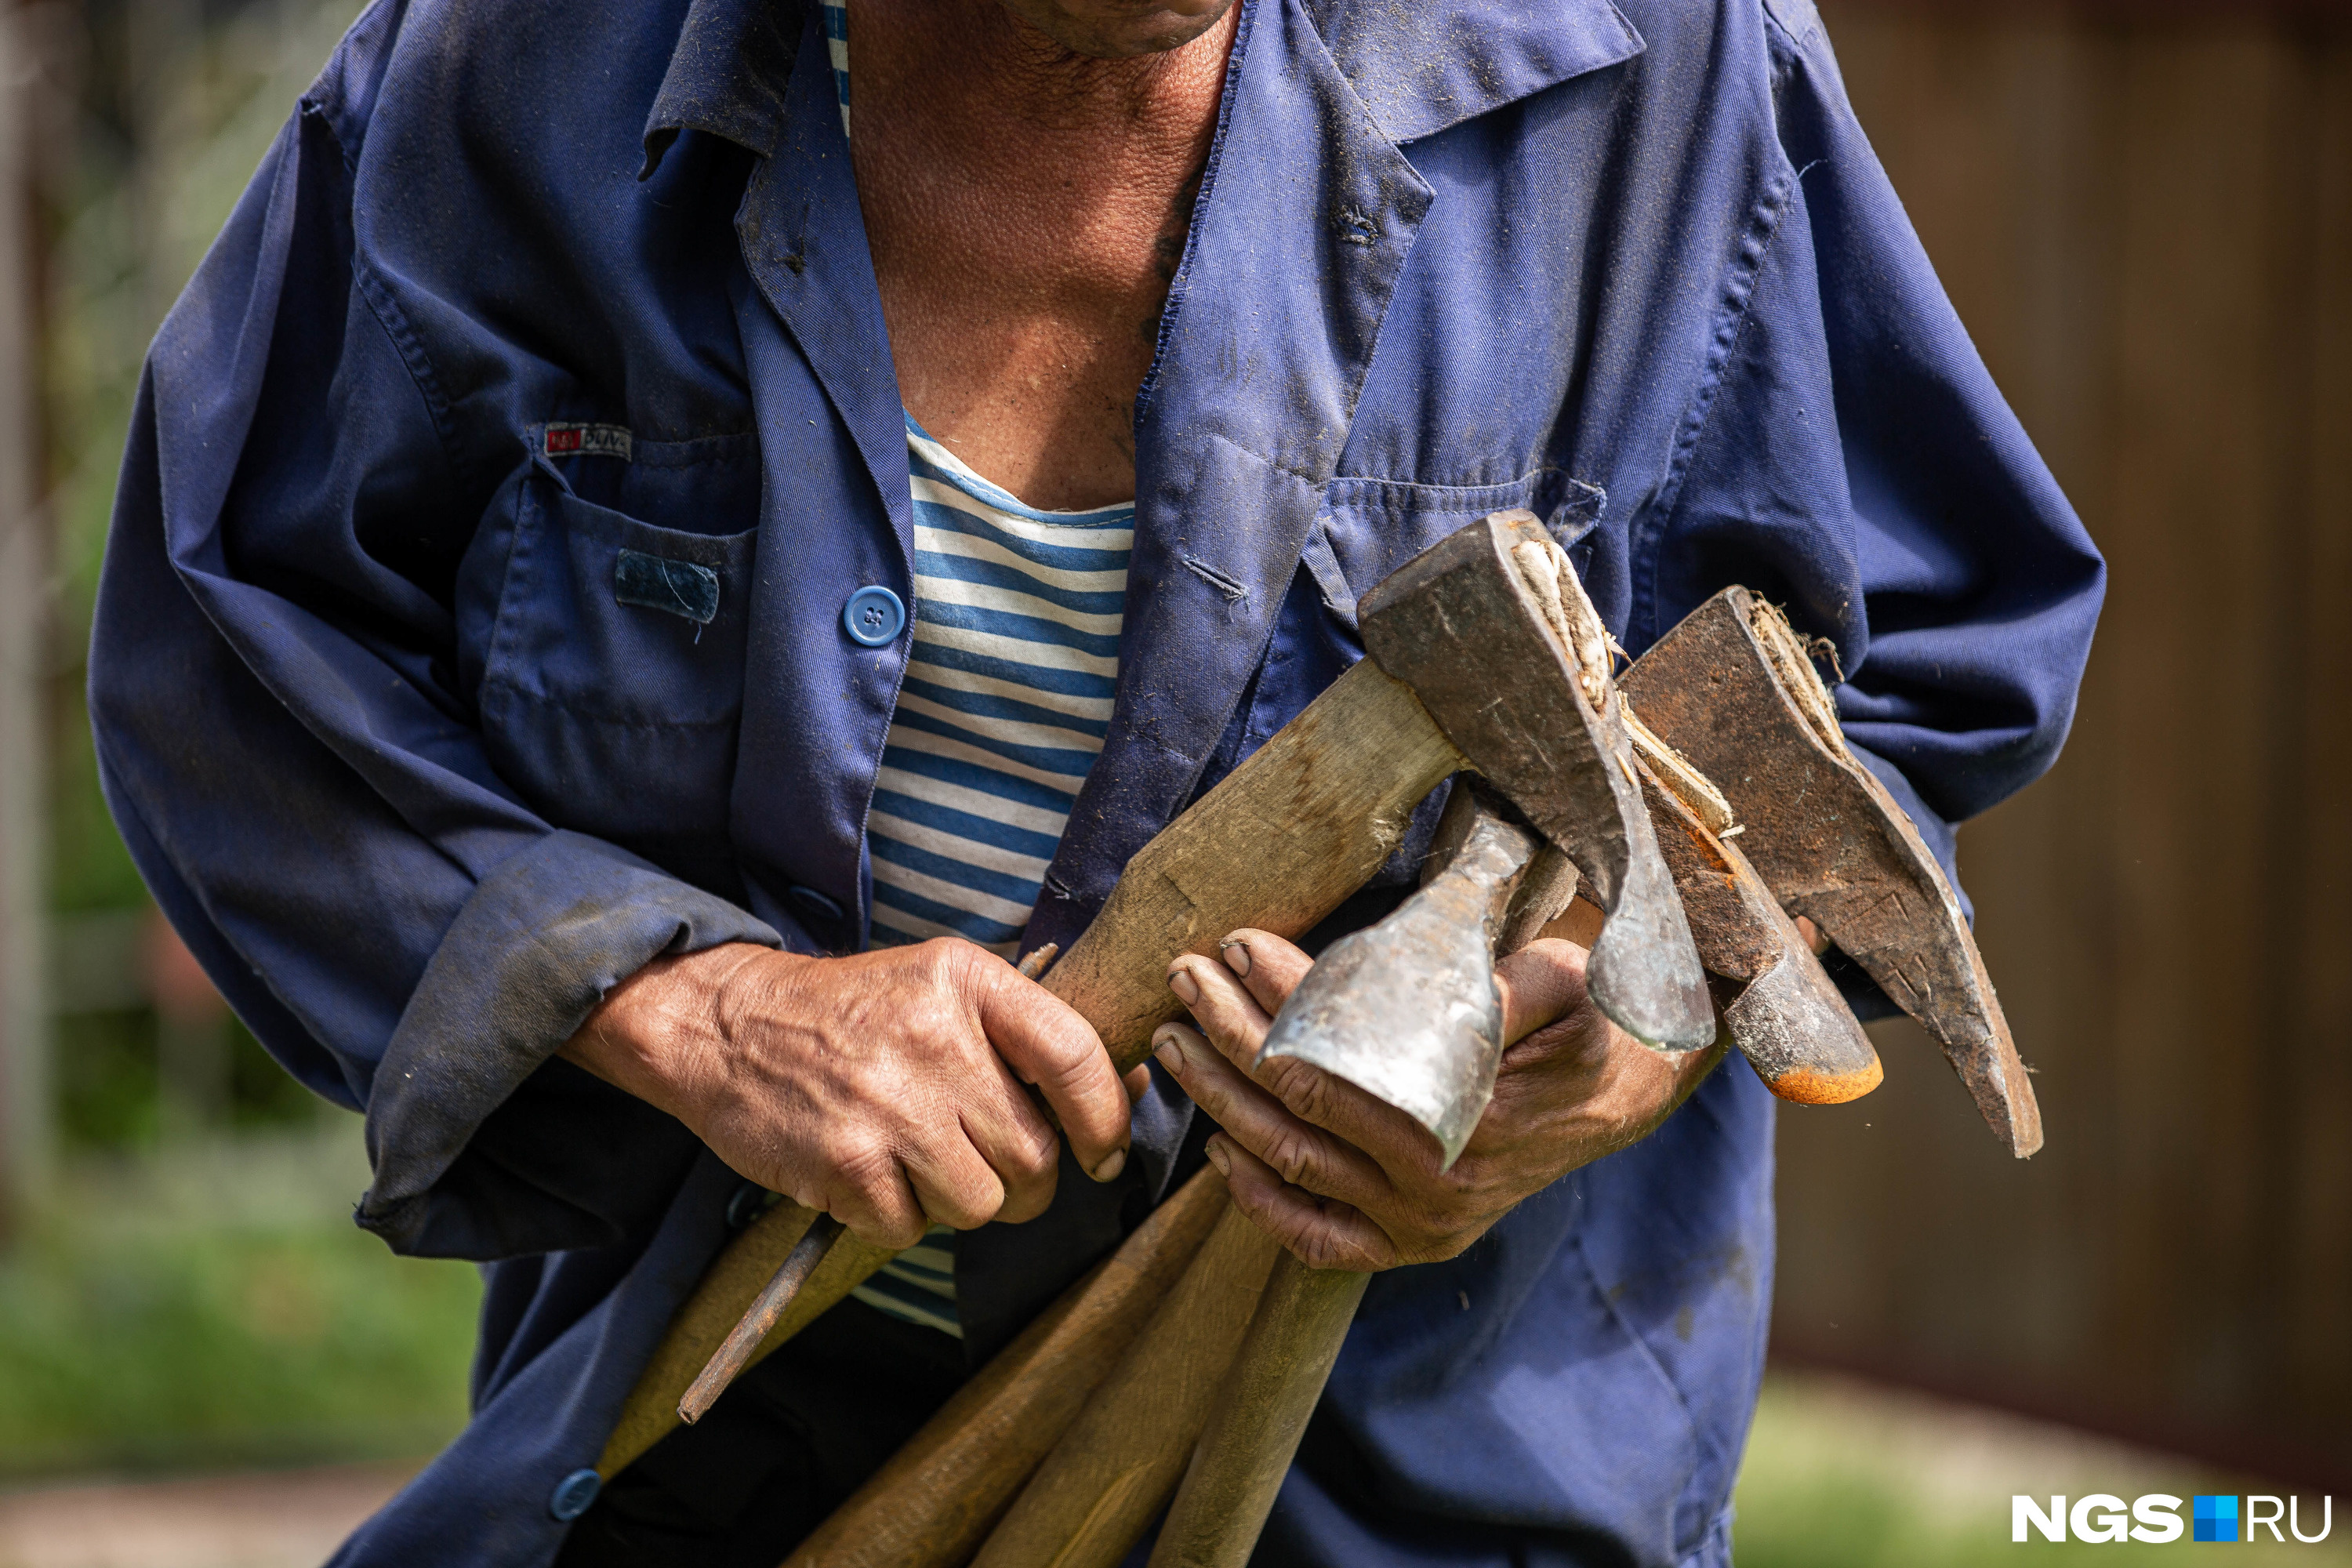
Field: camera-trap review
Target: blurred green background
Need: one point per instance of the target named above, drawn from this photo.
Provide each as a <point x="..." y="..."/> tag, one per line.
<point x="183" y="1290"/>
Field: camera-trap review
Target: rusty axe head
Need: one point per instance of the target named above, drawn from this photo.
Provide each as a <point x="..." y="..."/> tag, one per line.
<point x="1734" y="691"/>
<point x="1492" y="631"/>
<point x="1780" y="1009"/>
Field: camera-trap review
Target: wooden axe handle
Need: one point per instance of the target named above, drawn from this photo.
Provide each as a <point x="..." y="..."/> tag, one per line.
<point x="935" y="1500"/>
<point x="1300" y="825"/>
<point x="1113" y="1470"/>
<point x="1260" y="1414"/>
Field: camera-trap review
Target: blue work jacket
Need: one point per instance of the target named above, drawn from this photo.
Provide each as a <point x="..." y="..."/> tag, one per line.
<point x="524" y="291"/>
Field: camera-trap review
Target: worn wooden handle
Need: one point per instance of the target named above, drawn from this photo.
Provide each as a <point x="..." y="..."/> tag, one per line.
<point x="1116" y="1467"/>
<point x="1261" y="1412"/>
<point x="1300" y="825"/>
<point x="933" y="1503"/>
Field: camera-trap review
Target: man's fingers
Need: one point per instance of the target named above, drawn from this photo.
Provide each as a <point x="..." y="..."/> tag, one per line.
<point x="1541" y="983"/>
<point x="870" y="1194"/>
<point x="1045" y="1042"/>
<point x="1233" y="1019"/>
<point x="1303" y="1154"/>
<point x="1268" y="967"/>
<point x="1320" y="1235"/>
<point x="956" y="1185"/>
<point x="1003" y="1124"/>
<point x="1220" y="1005"/>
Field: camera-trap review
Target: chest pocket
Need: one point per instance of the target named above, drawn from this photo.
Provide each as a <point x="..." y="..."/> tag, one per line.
<point x="612" y="679"/>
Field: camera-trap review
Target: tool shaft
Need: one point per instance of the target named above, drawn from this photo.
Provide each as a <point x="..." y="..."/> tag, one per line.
<point x="739" y="1346"/>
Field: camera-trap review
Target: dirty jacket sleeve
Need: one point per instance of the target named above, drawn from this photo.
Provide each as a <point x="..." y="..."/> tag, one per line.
<point x="281" y="740"/>
<point x="1849" y="453"/>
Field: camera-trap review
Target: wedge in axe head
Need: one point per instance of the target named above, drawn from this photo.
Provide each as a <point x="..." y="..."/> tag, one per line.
<point x="1494" y="636"/>
<point x="1780" y="1008"/>
<point x="1409" y="1010"/>
<point x="1733" y="689"/>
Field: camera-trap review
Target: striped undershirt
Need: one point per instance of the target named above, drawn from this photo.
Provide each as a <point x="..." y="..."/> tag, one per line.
<point x="1006" y="698"/>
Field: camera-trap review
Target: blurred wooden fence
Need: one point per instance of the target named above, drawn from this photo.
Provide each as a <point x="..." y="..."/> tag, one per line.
<point x="2146" y="218"/>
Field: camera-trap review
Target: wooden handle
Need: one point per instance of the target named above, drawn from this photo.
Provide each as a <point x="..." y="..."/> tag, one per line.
<point x="1116" y="1467"/>
<point x="1300" y="825"/>
<point x="1261" y="1412"/>
<point x="729" y="1287"/>
<point x="1287" y="836"/>
<point x="933" y="1503"/>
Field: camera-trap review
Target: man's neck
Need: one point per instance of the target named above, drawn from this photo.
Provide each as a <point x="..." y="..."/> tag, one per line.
<point x="988" y="62"/>
<point x="1026" y="206"/>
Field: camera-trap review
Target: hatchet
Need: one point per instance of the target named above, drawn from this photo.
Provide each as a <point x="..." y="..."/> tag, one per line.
<point x="1469" y="675"/>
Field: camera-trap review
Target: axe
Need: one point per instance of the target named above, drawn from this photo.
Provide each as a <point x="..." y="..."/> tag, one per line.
<point x="1479" y="681"/>
<point x="1734" y="689"/>
<point x="1417" y="995"/>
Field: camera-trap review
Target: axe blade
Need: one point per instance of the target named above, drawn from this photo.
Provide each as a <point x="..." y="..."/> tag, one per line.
<point x="1730" y="689"/>
<point x="1445" y="623"/>
<point x="1408" y="1010"/>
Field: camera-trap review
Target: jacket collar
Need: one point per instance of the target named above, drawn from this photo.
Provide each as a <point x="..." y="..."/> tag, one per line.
<point x="1421" y="67"/>
<point x="728" y="76"/>
<point x="1418" y="67"/>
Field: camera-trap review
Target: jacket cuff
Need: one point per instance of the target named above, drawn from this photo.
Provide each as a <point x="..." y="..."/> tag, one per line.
<point x="483" y="1147"/>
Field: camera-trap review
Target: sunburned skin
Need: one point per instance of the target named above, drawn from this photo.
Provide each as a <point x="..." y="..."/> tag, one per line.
<point x="1027" y="202"/>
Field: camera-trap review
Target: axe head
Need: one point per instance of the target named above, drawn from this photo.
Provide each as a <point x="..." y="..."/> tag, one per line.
<point x="1780" y="1008"/>
<point x="1408" y="1010"/>
<point x="1733" y="690"/>
<point x="1493" y="633"/>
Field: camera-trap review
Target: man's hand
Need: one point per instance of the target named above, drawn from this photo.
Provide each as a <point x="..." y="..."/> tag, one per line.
<point x="1346" y="1181"/>
<point x="884" y="1088"/>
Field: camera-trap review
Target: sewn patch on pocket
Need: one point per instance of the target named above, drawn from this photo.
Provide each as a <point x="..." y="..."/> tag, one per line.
<point x="675" y="587"/>
<point x="590" y="441"/>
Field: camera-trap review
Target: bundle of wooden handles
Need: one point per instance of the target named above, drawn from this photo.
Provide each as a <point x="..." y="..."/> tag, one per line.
<point x="1138" y="1352"/>
<point x="1188" y="1364"/>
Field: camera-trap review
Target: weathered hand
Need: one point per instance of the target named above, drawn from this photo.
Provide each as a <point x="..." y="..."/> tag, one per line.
<point x="1346" y="1181"/>
<point x="884" y="1088"/>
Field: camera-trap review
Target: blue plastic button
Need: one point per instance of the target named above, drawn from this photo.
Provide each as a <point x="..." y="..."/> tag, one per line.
<point x="809" y="901"/>
<point x="873" y="617"/>
<point x="573" y="1493"/>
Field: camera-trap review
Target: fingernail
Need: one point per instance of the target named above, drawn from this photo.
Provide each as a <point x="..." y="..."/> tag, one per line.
<point x="1187" y="989"/>
<point x="1113" y="1163"/>
<point x="1219" y="1158"/>
<point x="1236" y="956"/>
<point x="1166" y="1046"/>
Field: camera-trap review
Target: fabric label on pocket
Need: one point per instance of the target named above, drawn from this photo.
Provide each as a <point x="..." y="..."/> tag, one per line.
<point x="589" y="440"/>
<point x="675" y="587"/>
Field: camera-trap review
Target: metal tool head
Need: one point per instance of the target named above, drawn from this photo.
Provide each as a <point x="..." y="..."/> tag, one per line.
<point x="1780" y="1008"/>
<point x="1799" y="1036"/>
<point x="1494" y="636"/>
<point x="1733" y="689"/>
<point x="1408" y="1010"/>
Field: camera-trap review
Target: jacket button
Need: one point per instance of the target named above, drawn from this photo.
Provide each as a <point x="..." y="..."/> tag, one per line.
<point x="808" y="900"/>
<point x="873" y="617"/>
<point x="573" y="1493"/>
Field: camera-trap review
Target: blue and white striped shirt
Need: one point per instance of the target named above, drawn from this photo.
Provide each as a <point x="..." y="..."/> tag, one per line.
<point x="1007" y="694"/>
<point x="1006" y="698"/>
<point x="1003" y="712"/>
